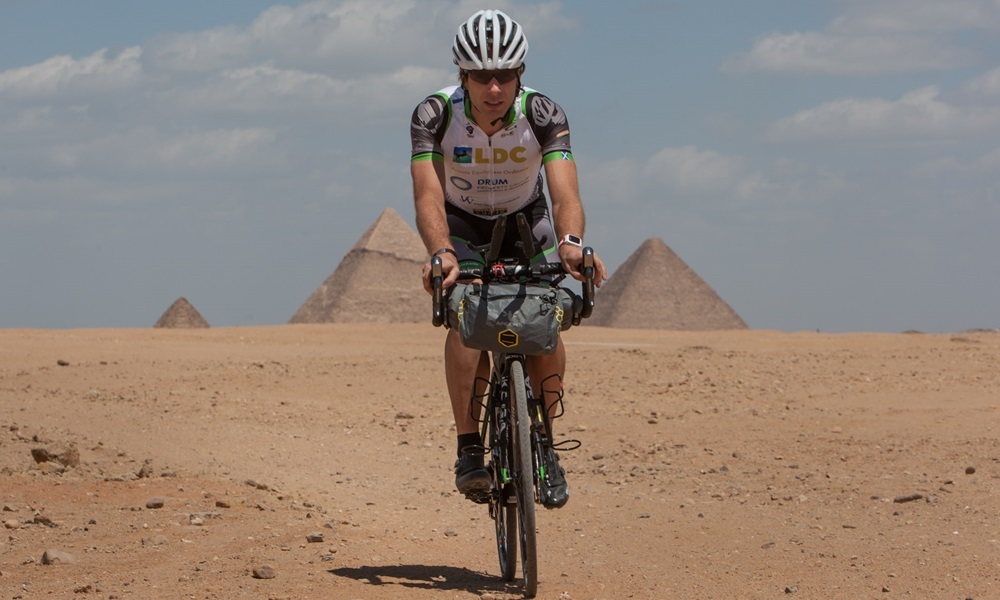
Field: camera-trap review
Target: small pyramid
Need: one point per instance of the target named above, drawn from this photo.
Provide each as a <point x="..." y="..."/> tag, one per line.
<point x="655" y="289"/>
<point x="378" y="281"/>
<point x="181" y="315"/>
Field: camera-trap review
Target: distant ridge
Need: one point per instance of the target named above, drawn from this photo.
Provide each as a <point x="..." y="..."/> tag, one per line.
<point x="655" y="289"/>
<point x="181" y="315"/>
<point x="378" y="280"/>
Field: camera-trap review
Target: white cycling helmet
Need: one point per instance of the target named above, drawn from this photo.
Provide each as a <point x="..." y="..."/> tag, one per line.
<point x="489" y="40"/>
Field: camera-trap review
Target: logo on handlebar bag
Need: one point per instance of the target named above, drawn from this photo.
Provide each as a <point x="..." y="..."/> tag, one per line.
<point x="507" y="338"/>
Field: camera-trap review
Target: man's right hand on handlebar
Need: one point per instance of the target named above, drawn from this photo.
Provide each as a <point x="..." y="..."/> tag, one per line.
<point x="449" y="270"/>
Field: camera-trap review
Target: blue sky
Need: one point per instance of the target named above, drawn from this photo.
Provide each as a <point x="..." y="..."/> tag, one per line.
<point x="823" y="165"/>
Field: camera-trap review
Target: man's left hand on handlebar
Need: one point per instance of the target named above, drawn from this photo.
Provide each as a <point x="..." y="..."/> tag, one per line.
<point x="572" y="260"/>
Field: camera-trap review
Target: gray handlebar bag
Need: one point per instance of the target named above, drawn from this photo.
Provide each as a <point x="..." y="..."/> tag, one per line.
<point x="510" y="317"/>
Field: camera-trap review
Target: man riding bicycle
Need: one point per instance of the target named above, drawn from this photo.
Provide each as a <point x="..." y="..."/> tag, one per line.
<point x="478" y="151"/>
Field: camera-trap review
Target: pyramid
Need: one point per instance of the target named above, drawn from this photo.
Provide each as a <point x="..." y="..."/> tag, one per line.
<point x="378" y="281"/>
<point x="655" y="289"/>
<point x="181" y="315"/>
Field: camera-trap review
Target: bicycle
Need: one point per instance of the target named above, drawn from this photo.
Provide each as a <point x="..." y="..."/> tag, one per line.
<point x="515" y="424"/>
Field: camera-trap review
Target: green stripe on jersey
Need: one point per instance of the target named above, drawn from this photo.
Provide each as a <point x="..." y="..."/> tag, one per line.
<point x="557" y="155"/>
<point x="434" y="156"/>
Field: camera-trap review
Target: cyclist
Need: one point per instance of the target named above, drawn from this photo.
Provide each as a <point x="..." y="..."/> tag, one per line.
<point x="478" y="151"/>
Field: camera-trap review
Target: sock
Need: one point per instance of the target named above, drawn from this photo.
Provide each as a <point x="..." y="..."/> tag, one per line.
<point x="468" y="439"/>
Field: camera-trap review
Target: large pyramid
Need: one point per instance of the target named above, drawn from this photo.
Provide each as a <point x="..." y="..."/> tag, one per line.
<point x="655" y="289"/>
<point x="378" y="281"/>
<point x="181" y="315"/>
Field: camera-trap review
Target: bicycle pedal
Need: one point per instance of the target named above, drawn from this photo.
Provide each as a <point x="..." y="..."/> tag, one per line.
<point x="478" y="497"/>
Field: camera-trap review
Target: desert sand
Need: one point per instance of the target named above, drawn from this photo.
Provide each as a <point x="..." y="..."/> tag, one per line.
<point x="314" y="461"/>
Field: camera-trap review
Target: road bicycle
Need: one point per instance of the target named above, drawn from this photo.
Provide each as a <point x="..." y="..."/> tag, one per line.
<point x="514" y="423"/>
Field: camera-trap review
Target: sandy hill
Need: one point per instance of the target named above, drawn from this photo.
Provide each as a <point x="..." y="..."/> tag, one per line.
<point x="655" y="289"/>
<point x="181" y="315"/>
<point x="378" y="281"/>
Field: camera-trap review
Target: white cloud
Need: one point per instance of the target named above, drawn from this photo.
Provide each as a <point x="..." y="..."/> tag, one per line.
<point x="216" y="149"/>
<point x="839" y="54"/>
<point x="144" y="149"/>
<point x="101" y="72"/>
<point x="610" y="182"/>
<point x="372" y="56"/>
<point x="919" y="113"/>
<point x="266" y="88"/>
<point x="987" y="164"/>
<point x="343" y="58"/>
<point x="872" y="37"/>
<point x="689" y="169"/>
<point x="986" y="87"/>
<point x="892" y="16"/>
<point x="32" y="118"/>
<point x="348" y="36"/>
<point x="705" y="181"/>
<point x="261" y="87"/>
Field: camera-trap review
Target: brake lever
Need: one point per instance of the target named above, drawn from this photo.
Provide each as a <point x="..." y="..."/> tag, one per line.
<point x="588" y="282"/>
<point x="437" y="318"/>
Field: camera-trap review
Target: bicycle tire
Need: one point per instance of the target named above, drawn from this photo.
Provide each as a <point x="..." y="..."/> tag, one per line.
<point x="503" y="507"/>
<point x="524" y="482"/>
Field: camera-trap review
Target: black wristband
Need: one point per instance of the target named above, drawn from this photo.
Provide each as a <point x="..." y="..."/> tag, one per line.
<point x="448" y="250"/>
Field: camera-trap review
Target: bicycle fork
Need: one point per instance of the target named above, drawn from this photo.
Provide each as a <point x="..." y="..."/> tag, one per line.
<point x="497" y="428"/>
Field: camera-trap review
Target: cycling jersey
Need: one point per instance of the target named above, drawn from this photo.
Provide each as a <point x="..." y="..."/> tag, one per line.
<point x="489" y="176"/>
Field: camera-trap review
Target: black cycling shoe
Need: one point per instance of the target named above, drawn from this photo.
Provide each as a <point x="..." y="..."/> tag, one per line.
<point x="554" y="491"/>
<point x="471" y="477"/>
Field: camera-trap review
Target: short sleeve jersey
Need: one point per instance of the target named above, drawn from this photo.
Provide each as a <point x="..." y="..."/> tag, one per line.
<point x="490" y="176"/>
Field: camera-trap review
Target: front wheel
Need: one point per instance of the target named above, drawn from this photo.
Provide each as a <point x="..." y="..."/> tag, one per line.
<point x="503" y="500"/>
<point x="505" y="519"/>
<point x="524" y="484"/>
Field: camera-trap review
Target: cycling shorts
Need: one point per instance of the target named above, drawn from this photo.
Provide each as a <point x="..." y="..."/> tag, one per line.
<point x="466" y="228"/>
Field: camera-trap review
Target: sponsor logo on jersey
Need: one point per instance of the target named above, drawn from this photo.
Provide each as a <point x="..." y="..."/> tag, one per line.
<point x="500" y="155"/>
<point x="491" y="182"/>
<point x="462" y="184"/>
<point x="545" y="111"/>
<point x="489" y="212"/>
<point x="463" y="154"/>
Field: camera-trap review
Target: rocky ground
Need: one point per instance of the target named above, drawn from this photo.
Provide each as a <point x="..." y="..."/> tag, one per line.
<point x="314" y="461"/>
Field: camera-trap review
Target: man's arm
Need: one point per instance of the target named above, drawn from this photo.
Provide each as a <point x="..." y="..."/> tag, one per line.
<point x="432" y="221"/>
<point x="428" y="199"/>
<point x="568" y="216"/>
<point x="567" y="208"/>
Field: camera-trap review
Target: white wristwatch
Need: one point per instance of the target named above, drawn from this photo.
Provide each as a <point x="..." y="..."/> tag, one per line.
<point x="572" y="240"/>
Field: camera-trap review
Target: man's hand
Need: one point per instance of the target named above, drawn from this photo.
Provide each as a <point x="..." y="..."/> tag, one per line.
<point x="572" y="260"/>
<point x="449" y="272"/>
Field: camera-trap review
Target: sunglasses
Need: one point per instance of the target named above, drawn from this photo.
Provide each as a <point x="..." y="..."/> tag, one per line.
<point x="501" y="75"/>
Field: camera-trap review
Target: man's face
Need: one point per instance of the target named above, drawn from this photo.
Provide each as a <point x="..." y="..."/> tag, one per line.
<point x="491" y="93"/>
